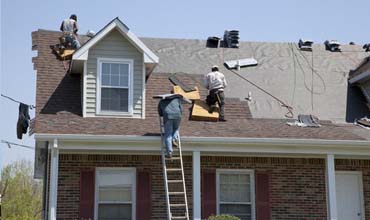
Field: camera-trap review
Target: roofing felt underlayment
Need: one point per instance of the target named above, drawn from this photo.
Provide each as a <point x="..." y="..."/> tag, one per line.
<point x="59" y="93"/>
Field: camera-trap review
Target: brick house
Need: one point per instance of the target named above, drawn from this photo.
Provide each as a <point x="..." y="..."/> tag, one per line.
<point x="104" y="138"/>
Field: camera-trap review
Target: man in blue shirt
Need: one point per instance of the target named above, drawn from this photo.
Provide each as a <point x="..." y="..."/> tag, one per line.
<point x="170" y="109"/>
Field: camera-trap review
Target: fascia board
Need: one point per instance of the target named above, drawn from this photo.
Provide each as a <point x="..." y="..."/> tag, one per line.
<point x="207" y="140"/>
<point x="80" y="52"/>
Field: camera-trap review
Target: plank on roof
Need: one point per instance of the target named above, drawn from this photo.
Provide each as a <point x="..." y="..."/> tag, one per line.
<point x="200" y="112"/>
<point x="194" y="95"/>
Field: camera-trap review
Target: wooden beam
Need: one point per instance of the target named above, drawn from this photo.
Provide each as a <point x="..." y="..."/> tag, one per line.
<point x="200" y="112"/>
<point x="194" y="95"/>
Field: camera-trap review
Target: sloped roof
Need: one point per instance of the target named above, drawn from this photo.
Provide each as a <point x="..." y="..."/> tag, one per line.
<point x="59" y="111"/>
<point x="116" y="23"/>
<point x="282" y="69"/>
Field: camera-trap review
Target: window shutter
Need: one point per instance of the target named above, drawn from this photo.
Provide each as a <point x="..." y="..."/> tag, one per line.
<point x="263" y="209"/>
<point x="87" y="192"/>
<point x="208" y="193"/>
<point x="143" y="195"/>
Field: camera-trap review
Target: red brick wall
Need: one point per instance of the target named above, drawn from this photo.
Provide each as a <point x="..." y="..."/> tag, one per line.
<point x="69" y="180"/>
<point x="297" y="188"/>
<point x="364" y="167"/>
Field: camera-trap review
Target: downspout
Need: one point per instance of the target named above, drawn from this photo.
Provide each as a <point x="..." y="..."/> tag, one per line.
<point x="44" y="192"/>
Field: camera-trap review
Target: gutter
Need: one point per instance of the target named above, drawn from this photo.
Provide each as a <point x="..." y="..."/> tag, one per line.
<point x="206" y="140"/>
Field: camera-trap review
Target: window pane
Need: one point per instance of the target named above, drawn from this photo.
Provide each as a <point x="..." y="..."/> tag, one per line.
<point x="105" y="79"/>
<point x="114" y="80"/>
<point x="114" y="211"/>
<point x="124" y="74"/>
<point x="235" y="188"/>
<point x="105" y="68"/>
<point x="119" y="194"/>
<point x="114" y="69"/>
<point x="114" y="99"/>
<point x="241" y="211"/>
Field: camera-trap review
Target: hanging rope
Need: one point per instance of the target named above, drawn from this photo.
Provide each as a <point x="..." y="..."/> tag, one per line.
<point x="30" y="106"/>
<point x="289" y="114"/>
<point x="15" y="144"/>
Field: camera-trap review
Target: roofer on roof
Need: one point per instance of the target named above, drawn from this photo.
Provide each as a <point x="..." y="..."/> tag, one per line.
<point x="215" y="82"/>
<point x="69" y="28"/>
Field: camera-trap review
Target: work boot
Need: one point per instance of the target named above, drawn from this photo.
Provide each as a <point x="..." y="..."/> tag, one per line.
<point x="211" y="109"/>
<point x="169" y="155"/>
<point x="222" y="119"/>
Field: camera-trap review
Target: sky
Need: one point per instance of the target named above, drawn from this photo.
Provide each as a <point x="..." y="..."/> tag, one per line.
<point x="262" y="20"/>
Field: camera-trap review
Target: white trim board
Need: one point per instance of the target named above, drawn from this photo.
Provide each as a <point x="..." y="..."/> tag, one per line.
<point x="82" y="53"/>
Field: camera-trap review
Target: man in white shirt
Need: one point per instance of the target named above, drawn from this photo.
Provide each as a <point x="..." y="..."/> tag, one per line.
<point x="69" y="28"/>
<point x="215" y="82"/>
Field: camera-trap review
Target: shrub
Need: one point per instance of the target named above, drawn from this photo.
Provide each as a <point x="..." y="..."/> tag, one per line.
<point x="223" y="217"/>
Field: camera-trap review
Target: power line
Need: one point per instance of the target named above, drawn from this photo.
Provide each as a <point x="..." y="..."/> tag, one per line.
<point x="30" y="106"/>
<point x="10" y="144"/>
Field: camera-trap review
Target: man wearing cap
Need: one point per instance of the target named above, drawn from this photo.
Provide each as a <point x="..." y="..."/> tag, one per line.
<point x="215" y="82"/>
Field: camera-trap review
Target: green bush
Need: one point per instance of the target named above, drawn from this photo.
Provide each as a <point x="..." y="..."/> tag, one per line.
<point x="223" y="217"/>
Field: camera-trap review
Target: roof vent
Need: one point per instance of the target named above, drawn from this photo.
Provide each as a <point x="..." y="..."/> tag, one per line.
<point x="332" y="45"/>
<point x="366" y="47"/>
<point x="352" y="43"/>
<point x="237" y="64"/>
<point x="90" y="33"/>
<point x="231" y="39"/>
<point x="213" y="42"/>
<point x="305" y="44"/>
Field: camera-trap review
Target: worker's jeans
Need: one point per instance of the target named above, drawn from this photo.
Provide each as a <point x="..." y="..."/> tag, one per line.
<point x="171" y="132"/>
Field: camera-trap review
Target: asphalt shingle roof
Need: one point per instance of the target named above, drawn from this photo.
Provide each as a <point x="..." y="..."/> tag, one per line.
<point x="58" y="102"/>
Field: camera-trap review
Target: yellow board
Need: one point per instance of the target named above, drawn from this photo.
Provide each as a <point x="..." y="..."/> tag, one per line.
<point x="194" y="95"/>
<point x="67" y="54"/>
<point x="200" y="112"/>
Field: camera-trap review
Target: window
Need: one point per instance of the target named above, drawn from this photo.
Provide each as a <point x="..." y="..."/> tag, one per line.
<point x="235" y="193"/>
<point x="114" y="86"/>
<point x="115" y="194"/>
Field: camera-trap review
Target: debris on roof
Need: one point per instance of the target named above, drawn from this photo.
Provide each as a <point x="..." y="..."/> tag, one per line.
<point x="332" y="45"/>
<point x="236" y="64"/>
<point x="90" y="33"/>
<point x="213" y="42"/>
<point x="366" y="47"/>
<point x="174" y="80"/>
<point x="231" y="39"/>
<point x="305" y="121"/>
<point x="305" y="44"/>
<point x="363" y="122"/>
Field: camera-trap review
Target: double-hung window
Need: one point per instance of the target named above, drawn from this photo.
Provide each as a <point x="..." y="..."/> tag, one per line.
<point x="115" y="194"/>
<point x="235" y="193"/>
<point x="114" y="86"/>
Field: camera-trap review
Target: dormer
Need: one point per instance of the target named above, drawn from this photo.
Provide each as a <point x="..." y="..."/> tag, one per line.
<point x="114" y="64"/>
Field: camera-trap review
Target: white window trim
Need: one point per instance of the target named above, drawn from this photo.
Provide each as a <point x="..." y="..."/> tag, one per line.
<point x="127" y="169"/>
<point x="252" y="187"/>
<point x="130" y="62"/>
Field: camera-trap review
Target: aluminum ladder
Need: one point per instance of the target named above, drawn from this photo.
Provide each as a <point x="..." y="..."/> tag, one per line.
<point x="176" y="199"/>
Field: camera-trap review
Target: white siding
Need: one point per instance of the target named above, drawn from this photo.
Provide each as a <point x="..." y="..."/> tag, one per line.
<point x="114" y="45"/>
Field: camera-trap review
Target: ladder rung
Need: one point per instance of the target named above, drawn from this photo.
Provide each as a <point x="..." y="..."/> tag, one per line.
<point x="173" y="158"/>
<point x="177" y="205"/>
<point x="173" y="169"/>
<point x="178" y="217"/>
<point x="175" y="193"/>
<point x="174" y="181"/>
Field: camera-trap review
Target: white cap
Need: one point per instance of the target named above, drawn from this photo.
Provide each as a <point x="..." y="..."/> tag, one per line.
<point x="215" y="66"/>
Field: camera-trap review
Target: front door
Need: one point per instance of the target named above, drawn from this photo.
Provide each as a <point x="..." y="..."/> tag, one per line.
<point x="349" y="195"/>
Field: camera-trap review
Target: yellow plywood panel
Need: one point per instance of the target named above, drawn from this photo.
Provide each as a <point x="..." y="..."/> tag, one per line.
<point x="194" y="95"/>
<point x="200" y="112"/>
<point x="67" y="54"/>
